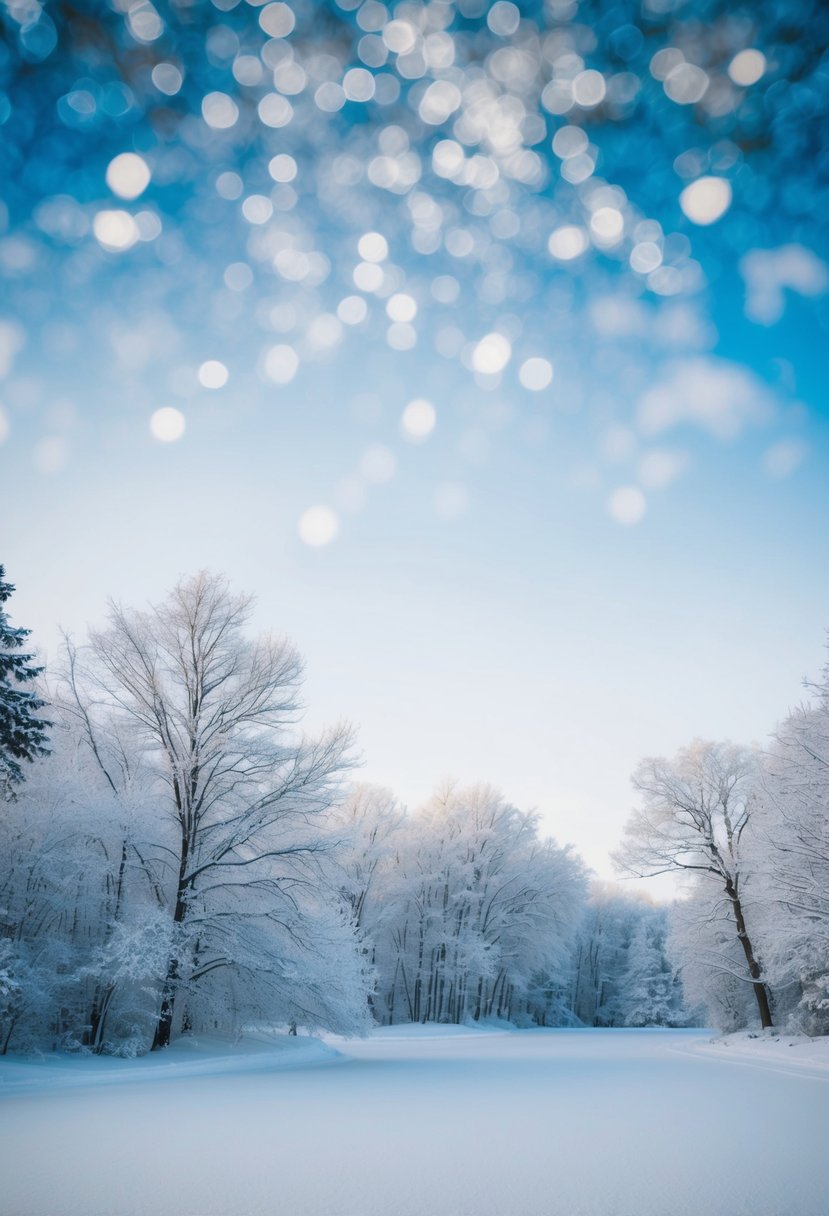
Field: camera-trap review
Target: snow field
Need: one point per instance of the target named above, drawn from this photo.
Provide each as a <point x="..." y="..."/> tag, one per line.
<point x="407" y="1123"/>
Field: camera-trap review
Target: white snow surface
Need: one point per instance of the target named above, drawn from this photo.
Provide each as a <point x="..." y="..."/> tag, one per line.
<point x="424" y="1122"/>
<point x="771" y="1049"/>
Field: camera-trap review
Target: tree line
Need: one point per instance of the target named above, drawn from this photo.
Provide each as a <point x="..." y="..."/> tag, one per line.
<point x="185" y="858"/>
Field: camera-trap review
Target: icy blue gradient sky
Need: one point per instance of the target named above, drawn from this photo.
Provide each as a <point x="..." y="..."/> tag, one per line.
<point x="552" y="583"/>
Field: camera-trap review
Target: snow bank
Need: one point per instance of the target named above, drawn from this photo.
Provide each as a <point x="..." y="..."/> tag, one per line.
<point x="770" y="1048"/>
<point x="200" y="1056"/>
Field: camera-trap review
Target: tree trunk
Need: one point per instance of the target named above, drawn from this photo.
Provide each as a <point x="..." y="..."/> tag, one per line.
<point x="761" y="993"/>
<point x="164" y="1025"/>
<point x="93" y="1036"/>
<point x="5" y="1045"/>
<point x="98" y="1019"/>
<point x="479" y="1000"/>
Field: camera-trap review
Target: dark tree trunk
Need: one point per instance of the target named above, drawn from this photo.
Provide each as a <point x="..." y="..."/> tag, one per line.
<point x="479" y="1000"/>
<point x="4" y="1047"/>
<point x="761" y="993"/>
<point x="164" y="1025"/>
<point x="94" y="1036"/>
<point x="103" y="1000"/>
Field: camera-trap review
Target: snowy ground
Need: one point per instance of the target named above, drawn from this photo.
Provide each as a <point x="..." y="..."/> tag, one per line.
<point x="771" y="1049"/>
<point x="407" y="1123"/>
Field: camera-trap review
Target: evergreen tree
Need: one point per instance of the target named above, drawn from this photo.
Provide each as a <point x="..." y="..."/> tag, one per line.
<point x="653" y="991"/>
<point x="22" y="733"/>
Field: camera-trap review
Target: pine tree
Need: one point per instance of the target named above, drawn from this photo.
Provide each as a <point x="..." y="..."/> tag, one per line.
<point x="22" y="733"/>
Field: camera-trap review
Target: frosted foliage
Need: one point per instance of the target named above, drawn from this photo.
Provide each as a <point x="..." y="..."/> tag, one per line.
<point x="469" y="915"/>
<point x="749" y="831"/>
<point x="367" y="827"/>
<point x="793" y="858"/>
<point x="697" y="817"/>
<point x="73" y="950"/>
<point x="622" y="974"/>
<point x="652" y="993"/>
<point x="703" y="945"/>
<point x="168" y="868"/>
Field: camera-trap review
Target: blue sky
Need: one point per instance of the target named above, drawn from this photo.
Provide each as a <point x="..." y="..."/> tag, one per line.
<point x="558" y="578"/>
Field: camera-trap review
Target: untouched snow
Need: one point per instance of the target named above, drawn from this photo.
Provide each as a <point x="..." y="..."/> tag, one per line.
<point x="447" y="1122"/>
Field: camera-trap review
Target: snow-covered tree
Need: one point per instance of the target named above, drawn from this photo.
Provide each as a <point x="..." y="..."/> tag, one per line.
<point x="238" y="846"/>
<point x="601" y="954"/>
<point x="653" y="994"/>
<point x="622" y="973"/>
<point x="476" y="914"/>
<point x="22" y="731"/>
<point x="51" y="889"/>
<point x="73" y="885"/>
<point x="793" y="858"/>
<point x="695" y="819"/>
<point x="703" y="947"/>
<point x="365" y="829"/>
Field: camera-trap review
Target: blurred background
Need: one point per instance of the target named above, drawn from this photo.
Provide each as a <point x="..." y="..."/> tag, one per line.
<point x="484" y="343"/>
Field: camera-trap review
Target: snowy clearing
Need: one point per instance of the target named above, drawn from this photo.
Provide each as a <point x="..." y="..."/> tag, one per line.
<point x="415" y="1122"/>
